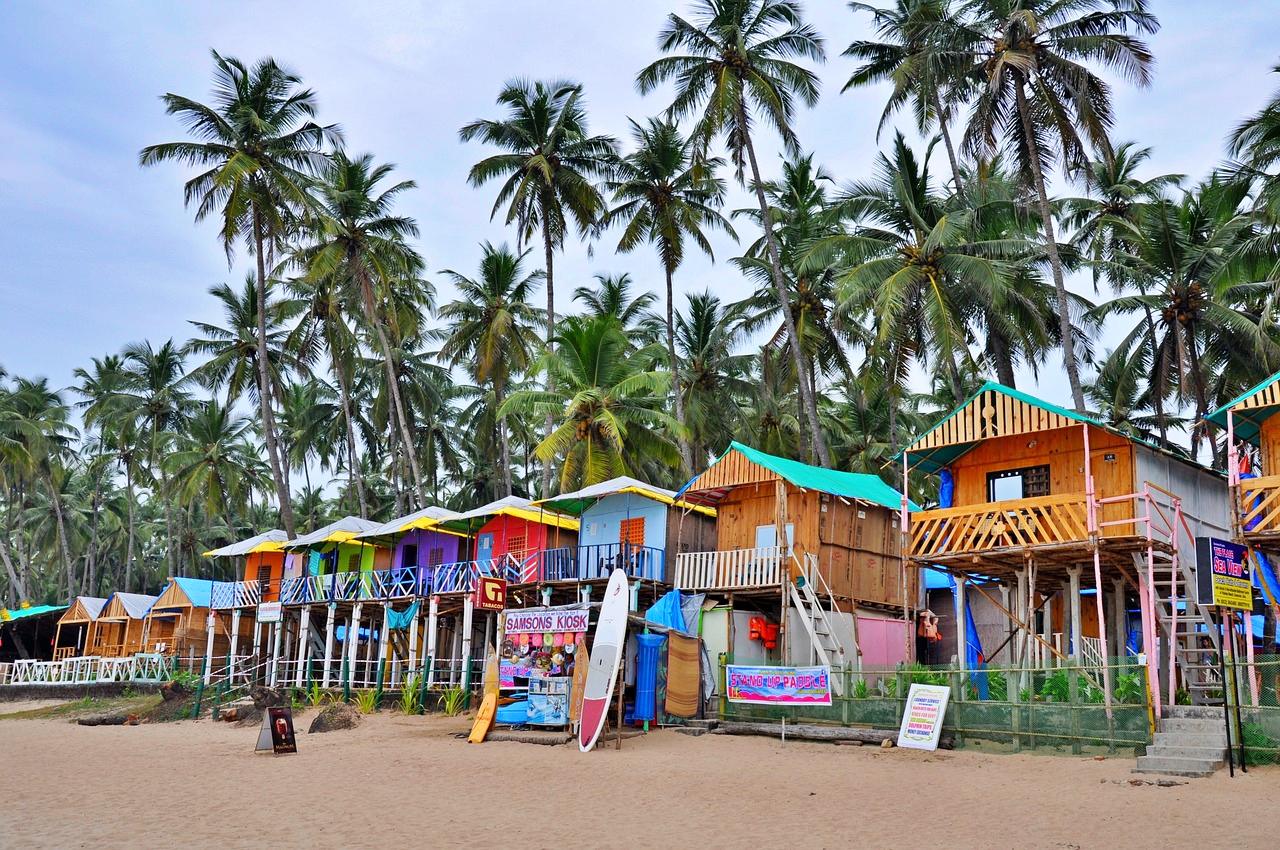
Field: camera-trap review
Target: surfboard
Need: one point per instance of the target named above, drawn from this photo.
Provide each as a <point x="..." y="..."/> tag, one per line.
<point x="606" y="653"/>
<point x="484" y="719"/>
<point x="580" y="663"/>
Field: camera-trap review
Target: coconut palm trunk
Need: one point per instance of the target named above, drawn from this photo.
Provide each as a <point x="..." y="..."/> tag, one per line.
<point x="130" y="535"/>
<point x="807" y="399"/>
<point x="353" y="473"/>
<point x="1051" y="246"/>
<point x="504" y="441"/>
<point x="549" y="424"/>
<point x="264" y="380"/>
<point x="686" y="451"/>
<point x="951" y="149"/>
<point x="17" y="587"/>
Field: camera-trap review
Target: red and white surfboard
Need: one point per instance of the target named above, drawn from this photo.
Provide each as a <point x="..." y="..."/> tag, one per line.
<point x="606" y="653"/>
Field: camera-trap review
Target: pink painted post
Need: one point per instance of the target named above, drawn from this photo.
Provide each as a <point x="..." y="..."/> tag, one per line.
<point x="1092" y="522"/>
<point x="1148" y="643"/>
<point x="904" y="546"/>
<point x="1247" y="616"/>
<point x="1152" y="651"/>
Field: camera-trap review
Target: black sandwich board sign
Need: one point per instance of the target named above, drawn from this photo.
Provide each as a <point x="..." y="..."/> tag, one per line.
<point x="1222" y="574"/>
<point x="277" y="731"/>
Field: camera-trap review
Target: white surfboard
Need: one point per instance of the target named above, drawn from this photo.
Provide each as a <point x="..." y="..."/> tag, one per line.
<point x="606" y="652"/>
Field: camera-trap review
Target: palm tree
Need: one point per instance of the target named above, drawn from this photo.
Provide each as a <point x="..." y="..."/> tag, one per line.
<point x="666" y="193"/>
<point x="210" y="457"/>
<point x="734" y="68"/>
<point x="256" y="145"/>
<point x="716" y="378"/>
<point x="232" y="350"/>
<point x="1255" y="147"/>
<point x="1210" y="302"/>
<point x="612" y="296"/>
<point x="1037" y="97"/>
<point x="912" y="57"/>
<point x="549" y="163"/>
<point x="356" y="236"/>
<point x="491" y="330"/>
<point x="610" y="409"/>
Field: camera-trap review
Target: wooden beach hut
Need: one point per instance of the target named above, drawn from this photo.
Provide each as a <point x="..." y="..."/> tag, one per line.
<point x="177" y="622"/>
<point x="118" y="631"/>
<point x="1033" y="497"/>
<point x="630" y="524"/>
<point x="816" y="551"/>
<point x="513" y="538"/>
<point x="418" y="541"/>
<point x="77" y="622"/>
<point x="28" y="633"/>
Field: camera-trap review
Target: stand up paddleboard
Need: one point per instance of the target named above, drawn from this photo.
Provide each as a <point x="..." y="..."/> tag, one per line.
<point x="489" y="705"/>
<point x="606" y="653"/>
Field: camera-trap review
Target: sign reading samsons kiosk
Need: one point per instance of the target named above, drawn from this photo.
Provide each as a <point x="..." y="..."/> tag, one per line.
<point x="533" y="622"/>
<point x="1222" y="574"/>
<point x="778" y="685"/>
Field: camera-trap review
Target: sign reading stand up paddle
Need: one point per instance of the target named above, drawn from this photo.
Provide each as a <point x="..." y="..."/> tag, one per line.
<point x="922" y="720"/>
<point x="778" y="685"/>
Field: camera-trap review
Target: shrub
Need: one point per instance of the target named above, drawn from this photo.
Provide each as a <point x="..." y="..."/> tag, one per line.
<point x="452" y="701"/>
<point x="408" y="702"/>
<point x="861" y="690"/>
<point x="366" y="701"/>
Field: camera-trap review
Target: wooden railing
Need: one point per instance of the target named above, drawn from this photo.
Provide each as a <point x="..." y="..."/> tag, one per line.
<point x="738" y="568"/>
<point x="1042" y="521"/>
<point x="1260" y="504"/>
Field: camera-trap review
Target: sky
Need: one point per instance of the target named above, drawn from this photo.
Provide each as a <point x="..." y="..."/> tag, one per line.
<point x="96" y="252"/>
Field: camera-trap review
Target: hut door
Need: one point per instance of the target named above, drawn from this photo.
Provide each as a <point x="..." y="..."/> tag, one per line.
<point x="767" y="536"/>
<point x="484" y="547"/>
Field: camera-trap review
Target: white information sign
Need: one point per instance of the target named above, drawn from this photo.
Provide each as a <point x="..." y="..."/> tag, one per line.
<point x="922" y="720"/>
<point x="270" y="612"/>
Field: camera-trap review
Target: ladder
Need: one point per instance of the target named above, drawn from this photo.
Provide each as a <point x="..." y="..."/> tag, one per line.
<point x="1185" y="626"/>
<point x="827" y="647"/>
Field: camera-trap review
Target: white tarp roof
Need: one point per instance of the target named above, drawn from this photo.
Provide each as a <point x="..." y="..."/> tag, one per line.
<point x="348" y="526"/>
<point x="244" y="547"/>
<point x="396" y="525"/>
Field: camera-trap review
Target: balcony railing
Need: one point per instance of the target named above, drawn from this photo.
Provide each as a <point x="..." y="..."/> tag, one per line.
<point x="1021" y="523"/>
<point x="236" y="594"/>
<point x="1260" y="504"/>
<point x="596" y="562"/>
<point x="380" y="585"/>
<point x="729" y="570"/>
<point x="461" y="576"/>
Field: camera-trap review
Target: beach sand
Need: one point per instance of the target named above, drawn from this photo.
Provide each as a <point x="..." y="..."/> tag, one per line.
<point x="406" y="781"/>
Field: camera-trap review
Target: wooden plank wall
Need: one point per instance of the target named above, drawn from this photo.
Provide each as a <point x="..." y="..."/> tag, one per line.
<point x="1269" y="439"/>
<point x="688" y="532"/>
<point x="992" y="414"/>
<point x="730" y="471"/>
<point x="1063" y="450"/>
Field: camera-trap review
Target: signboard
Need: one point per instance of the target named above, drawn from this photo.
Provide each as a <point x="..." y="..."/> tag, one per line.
<point x="1222" y="574"/>
<point x="544" y="622"/>
<point x="270" y="612"/>
<point x="277" y="732"/>
<point x="778" y="685"/>
<point x="491" y="593"/>
<point x="922" y="719"/>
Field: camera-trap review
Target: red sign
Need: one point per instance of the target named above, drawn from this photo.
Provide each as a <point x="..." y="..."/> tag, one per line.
<point x="491" y="593"/>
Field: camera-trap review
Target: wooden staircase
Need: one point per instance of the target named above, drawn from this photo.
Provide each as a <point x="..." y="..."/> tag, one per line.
<point x="804" y="587"/>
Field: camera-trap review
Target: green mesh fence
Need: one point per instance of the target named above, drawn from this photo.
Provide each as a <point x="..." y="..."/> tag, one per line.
<point x="1054" y="709"/>
<point x="1256" y="725"/>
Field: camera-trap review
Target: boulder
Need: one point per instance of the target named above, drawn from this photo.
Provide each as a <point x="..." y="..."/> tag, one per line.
<point x="339" y="715"/>
<point x="174" y="690"/>
<point x="264" y="697"/>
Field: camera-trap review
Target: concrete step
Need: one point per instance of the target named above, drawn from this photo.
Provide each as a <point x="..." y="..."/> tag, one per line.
<point x="1194" y="725"/>
<point x="1163" y="750"/>
<point x="1177" y="766"/>
<point x="1191" y="739"/>
<point x="1198" y="712"/>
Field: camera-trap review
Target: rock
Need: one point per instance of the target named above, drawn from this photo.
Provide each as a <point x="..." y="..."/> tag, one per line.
<point x="264" y="697"/>
<point x="339" y="715"/>
<point x="132" y="720"/>
<point x="886" y="744"/>
<point x="1169" y="783"/>
<point x="229" y="714"/>
<point x="248" y="715"/>
<point x="103" y="720"/>
<point x="174" y="690"/>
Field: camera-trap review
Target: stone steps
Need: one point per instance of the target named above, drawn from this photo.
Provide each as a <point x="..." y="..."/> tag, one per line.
<point x="1191" y="741"/>
<point x="1177" y="766"/>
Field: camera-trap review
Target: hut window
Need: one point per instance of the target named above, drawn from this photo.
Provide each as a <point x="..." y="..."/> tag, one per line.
<point x="435" y="556"/>
<point x="516" y="547"/>
<point x="1025" y="483"/>
<point x="409" y="555"/>
<point x="264" y="577"/>
<point x="631" y="531"/>
<point x="353" y="562"/>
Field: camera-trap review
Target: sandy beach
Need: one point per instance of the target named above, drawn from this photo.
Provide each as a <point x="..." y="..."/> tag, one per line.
<point x="403" y="779"/>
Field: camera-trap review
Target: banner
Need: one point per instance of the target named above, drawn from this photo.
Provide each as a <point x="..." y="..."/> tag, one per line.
<point x="1222" y="574"/>
<point x="270" y="612"/>
<point x="922" y="719"/>
<point x="778" y="685"/>
<point x="544" y="622"/>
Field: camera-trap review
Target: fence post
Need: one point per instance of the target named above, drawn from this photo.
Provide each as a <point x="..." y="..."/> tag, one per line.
<point x="1014" y="679"/>
<point x="346" y="679"/>
<point x="846" y="696"/>
<point x="382" y="668"/>
<point x="422" y="688"/>
<point x="195" y="710"/>
<point x="1073" y="692"/>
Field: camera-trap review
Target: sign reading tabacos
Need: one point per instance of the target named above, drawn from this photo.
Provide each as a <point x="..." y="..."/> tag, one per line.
<point x="532" y="622"/>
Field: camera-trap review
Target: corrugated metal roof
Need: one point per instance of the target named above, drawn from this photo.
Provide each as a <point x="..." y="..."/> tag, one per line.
<point x="338" y="531"/>
<point x="424" y="518"/>
<point x="515" y="506"/>
<point x="578" y="501"/>
<point x="267" y="541"/>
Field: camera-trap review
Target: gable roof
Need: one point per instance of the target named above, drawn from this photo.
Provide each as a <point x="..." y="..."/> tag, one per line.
<point x="1250" y="409"/>
<point x="198" y="592"/>
<point x="339" y="531"/>
<point x="267" y="541"/>
<point x="742" y="464"/>
<point x="514" y="506"/>
<point x="577" y="502"/>
<point x="133" y="606"/>
<point x="995" y="410"/>
<point x="425" y="518"/>
<point x="83" y="609"/>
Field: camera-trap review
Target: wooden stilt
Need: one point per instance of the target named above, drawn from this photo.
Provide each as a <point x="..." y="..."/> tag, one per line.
<point x="433" y="624"/>
<point x="327" y="666"/>
<point x="304" y="650"/>
<point x="208" y="648"/>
